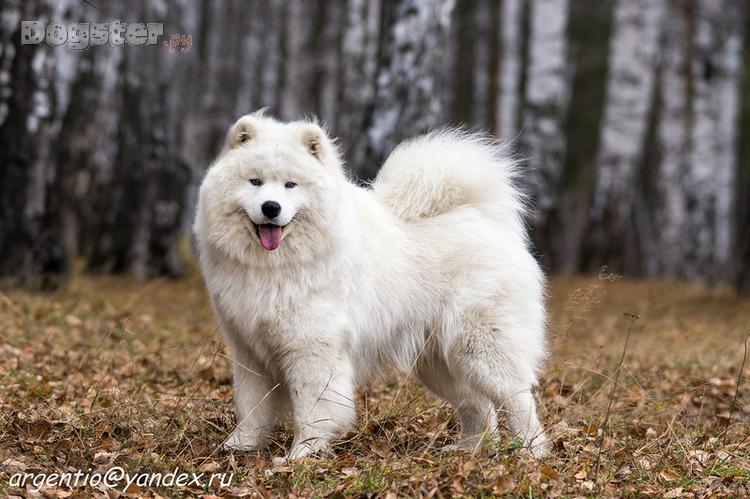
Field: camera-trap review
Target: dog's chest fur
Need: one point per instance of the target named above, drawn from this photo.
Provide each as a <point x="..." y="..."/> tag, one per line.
<point x="270" y="309"/>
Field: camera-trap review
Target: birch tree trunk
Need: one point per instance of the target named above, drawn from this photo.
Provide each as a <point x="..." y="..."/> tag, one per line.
<point x="32" y="249"/>
<point x="71" y="78"/>
<point x="673" y="135"/>
<point x="296" y="63"/>
<point x="359" y="65"/>
<point x="311" y="56"/>
<point x="259" y="65"/>
<point x="223" y="25"/>
<point x="88" y="174"/>
<point x="509" y="68"/>
<point x="409" y="91"/>
<point x="484" y="31"/>
<point x="246" y="99"/>
<point x="613" y="238"/>
<point x="331" y="18"/>
<point x="459" y="54"/>
<point x="545" y="106"/>
<point x="73" y="156"/>
<point x="742" y="277"/>
<point x="709" y="182"/>
<point x="270" y="65"/>
<point x="144" y="198"/>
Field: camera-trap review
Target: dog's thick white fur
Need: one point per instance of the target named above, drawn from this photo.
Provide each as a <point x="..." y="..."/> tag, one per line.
<point x="428" y="271"/>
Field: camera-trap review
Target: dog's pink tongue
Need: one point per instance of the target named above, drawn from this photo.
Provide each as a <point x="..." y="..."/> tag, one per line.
<point x="270" y="236"/>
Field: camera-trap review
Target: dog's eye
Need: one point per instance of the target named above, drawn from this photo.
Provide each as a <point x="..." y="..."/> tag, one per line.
<point x="290" y="185"/>
<point x="256" y="181"/>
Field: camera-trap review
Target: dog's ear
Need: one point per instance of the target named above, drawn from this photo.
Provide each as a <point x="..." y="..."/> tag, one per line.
<point x="317" y="142"/>
<point x="244" y="130"/>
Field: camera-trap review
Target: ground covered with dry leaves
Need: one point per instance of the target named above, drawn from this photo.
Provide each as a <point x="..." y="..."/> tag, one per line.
<point x="112" y="373"/>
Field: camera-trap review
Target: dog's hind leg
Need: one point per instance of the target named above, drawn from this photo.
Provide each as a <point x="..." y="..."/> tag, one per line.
<point x="523" y="420"/>
<point x="492" y="362"/>
<point x="475" y="411"/>
<point x="478" y="420"/>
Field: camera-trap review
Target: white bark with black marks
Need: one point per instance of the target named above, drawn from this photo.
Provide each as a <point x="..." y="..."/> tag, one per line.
<point x="359" y="66"/>
<point x="630" y="84"/>
<point x="709" y="184"/>
<point x="673" y="135"/>
<point x="410" y="92"/>
<point x="545" y="104"/>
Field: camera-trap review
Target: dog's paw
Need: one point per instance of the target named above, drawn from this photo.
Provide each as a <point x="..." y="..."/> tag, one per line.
<point x="240" y="441"/>
<point x="302" y="450"/>
<point x="311" y="447"/>
<point x="295" y="454"/>
<point x="540" y="447"/>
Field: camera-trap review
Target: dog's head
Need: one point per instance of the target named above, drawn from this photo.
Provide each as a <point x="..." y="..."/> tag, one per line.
<point x="273" y="183"/>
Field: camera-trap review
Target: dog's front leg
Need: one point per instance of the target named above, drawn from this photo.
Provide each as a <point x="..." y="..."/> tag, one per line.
<point x="256" y="399"/>
<point x="320" y="382"/>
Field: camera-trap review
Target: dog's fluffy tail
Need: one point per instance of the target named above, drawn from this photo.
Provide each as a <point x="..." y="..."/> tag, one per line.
<point x="447" y="169"/>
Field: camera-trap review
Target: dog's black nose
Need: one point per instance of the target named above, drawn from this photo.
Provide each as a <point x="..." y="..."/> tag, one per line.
<point x="271" y="209"/>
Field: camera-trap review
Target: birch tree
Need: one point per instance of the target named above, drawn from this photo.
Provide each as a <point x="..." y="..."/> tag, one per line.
<point x="246" y="99"/>
<point x="544" y="108"/>
<point x="71" y="80"/>
<point x="143" y="204"/>
<point x="509" y="68"/>
<point x="184" y="70"/>
<point x="409" y="91"/>
<point x="221" y="58"/>
<point x="259" y="66"/>
<point x="311" y="46"/>
<point x="630" y="84"/>
<point x="709" y="183"/>
<point x="359" y="64"/>
<point x="673" y="135"/>
<point x="460" y="61"/>
<point x="330" y="19"/>
<point x="32" y="250"/>
<point x="269" y="67"/>
<point x="484" y="27"/>
<point x="73" y="149"/>
<point x="742" y="277"/>
<point x="295" y="93"/>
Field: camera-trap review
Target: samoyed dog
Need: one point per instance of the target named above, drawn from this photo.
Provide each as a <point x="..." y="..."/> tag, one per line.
<point x="320" y="285"/>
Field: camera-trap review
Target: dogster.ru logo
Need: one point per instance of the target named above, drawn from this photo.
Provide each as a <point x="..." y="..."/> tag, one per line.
<point x="80" y="36"/>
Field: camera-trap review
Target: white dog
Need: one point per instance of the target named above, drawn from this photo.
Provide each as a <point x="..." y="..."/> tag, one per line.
<point x="320" y="285"/>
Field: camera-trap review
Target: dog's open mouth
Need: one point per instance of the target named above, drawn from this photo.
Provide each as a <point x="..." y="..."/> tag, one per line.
<point x="270" y="235"/>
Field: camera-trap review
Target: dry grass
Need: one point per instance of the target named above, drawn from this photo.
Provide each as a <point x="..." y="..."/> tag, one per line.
<point x="116" y="373"/>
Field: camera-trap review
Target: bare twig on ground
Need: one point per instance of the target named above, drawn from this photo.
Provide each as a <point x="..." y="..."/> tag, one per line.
<point x="633" y="318"/>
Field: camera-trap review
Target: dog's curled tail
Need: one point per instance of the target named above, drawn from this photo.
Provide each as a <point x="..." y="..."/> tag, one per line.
<point x="447" y="169"/>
